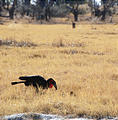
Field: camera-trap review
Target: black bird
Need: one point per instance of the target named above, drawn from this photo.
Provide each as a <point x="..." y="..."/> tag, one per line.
<point x="36" y="81"/>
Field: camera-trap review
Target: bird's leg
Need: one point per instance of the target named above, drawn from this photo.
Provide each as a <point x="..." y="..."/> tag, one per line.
<point x="37" y="90"/>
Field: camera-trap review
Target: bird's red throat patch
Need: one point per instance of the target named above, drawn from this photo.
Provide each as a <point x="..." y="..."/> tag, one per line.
<point x="51" y="85"/>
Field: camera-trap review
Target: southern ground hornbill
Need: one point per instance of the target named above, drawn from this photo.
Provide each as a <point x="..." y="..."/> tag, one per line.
<point x="36" y="82"/>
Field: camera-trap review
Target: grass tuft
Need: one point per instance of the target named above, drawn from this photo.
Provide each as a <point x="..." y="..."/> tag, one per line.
<point x="9" y="42"/>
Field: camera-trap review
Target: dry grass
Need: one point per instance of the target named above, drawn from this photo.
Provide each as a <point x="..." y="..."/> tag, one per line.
<point x="83" y="61"/>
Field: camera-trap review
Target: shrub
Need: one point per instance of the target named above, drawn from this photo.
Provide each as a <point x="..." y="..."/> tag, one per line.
<point x="59" y="11"/>
<point x="83" y="9"/>
<point x="16" y="44"/>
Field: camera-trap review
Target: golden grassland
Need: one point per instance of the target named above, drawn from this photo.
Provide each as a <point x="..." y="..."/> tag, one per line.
<point x="83" y="62"/>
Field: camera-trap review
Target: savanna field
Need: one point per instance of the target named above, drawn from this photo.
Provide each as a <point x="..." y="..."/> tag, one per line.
<point x="83" y="61"/>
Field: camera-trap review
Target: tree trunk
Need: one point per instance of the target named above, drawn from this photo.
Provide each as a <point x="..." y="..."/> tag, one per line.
<point x="8" y="4"/>
<point x="47" y="13"/>
<point x="3" y="3"/>
<point x="104" y="13"/>
<point x="75" y="12"/>
<point x="75" y="15"/>
<point x="12" y="9"/>
<point x="0" y="10"/>
<point x="11" y="12"/>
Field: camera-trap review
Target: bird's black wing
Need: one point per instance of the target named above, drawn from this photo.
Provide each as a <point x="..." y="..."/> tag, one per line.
<point x="32" y="78"/>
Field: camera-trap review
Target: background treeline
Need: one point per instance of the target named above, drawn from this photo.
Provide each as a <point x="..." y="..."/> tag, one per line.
<point x="46" y="9"/>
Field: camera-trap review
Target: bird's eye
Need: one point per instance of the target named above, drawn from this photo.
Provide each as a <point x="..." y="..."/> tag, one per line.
<point x="50" y="81"/>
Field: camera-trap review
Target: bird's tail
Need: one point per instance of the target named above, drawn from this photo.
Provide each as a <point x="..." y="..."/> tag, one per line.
<point x="14" y="83"/>
<point x="24" y="77"/>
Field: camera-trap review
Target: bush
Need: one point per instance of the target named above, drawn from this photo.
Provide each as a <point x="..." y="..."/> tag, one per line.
<point x="16" y="44"/>
<point x="83" y="9"/>
<point x="59" y="11"/>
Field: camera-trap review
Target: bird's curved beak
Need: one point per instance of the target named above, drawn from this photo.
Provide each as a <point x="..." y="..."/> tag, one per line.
<point x="55" y="86"/>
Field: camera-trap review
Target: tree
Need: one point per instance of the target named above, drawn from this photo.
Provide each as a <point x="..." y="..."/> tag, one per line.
<point x="3" y="3"/>
<point x="12" y="9"/>
<point x="75" y="12"/>
<point x="107" y="4"/>
<point x="75" y="8"/>
<point x="27" y="2"/>
<point x="0" y="8"/>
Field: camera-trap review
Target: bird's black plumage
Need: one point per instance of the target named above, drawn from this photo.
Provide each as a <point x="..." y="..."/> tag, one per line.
<point x="36" y="81"/>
